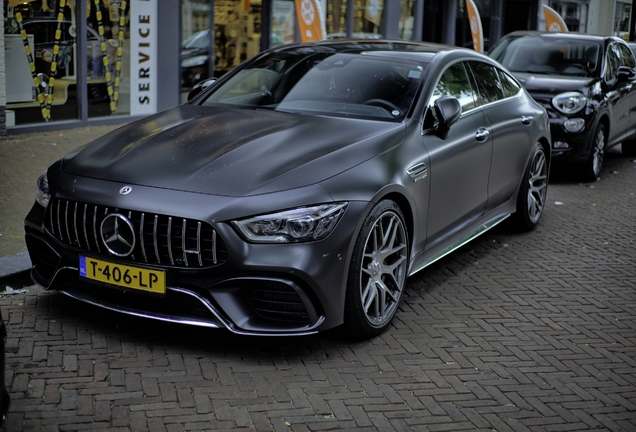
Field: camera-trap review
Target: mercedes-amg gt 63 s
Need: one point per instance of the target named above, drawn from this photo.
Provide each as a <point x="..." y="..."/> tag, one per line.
<point x="297" y="192"/>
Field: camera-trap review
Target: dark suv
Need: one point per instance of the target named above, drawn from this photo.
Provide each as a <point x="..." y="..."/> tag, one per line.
<point x="588" y="86"/>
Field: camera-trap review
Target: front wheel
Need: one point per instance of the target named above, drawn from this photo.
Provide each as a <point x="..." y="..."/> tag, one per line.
<point x="591" y="169"/>
<point x="533" y="191"/>
<point x="378" y="272"/>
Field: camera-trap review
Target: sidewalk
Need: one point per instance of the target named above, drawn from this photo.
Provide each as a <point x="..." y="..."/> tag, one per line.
<point x="22" y="159"/>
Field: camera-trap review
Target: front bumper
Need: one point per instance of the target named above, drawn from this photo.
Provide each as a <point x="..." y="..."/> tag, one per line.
<point x="571" y="147"/>
<point x="261" y="289"/>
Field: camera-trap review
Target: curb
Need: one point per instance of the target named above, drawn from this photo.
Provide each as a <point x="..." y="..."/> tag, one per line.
<point x="14" y="265"/>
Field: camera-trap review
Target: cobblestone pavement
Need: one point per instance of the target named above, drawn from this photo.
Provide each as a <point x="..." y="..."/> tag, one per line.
<point x="512" y="332"/>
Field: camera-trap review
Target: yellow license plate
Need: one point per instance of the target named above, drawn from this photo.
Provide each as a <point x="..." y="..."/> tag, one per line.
<point x="122" y="275"/>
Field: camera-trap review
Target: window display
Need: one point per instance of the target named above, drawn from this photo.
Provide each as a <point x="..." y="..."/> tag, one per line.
<point x="237" y="34"/>
<point x="46" y="88"/>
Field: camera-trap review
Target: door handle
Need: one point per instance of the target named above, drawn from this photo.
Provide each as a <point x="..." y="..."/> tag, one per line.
<point x="482" y="134"/>
<point x="526" y="120"/>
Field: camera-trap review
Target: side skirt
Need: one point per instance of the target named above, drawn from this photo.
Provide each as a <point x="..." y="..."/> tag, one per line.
<point x="438" y="251"/>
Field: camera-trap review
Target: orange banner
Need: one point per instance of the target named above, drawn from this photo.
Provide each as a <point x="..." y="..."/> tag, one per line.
<point x="553" y="21"/>
<point x="475" y="26"/>
<point x="310" y="20"/>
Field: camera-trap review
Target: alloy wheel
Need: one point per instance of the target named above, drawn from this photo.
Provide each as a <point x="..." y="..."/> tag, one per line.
<point x="384" y="269"/>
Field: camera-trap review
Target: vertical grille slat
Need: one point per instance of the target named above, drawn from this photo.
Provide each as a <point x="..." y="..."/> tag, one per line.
<point x="59" y="221"/>
<point x="79" y="244"/>
<point x="170" y="240"/>
<point x="174" y="240"/>
<point x="141" y="235"/>
<point x="99" y="249"/>
<point x="88" y="244"/>
<point x="66" y="222"/>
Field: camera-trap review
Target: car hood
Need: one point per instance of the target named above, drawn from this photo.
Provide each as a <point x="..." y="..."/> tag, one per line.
<point x="553" y="84"/>
<point x="232" y="152"/>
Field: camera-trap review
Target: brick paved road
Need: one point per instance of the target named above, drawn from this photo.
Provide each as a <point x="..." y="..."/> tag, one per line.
<point x="512" y="332"/>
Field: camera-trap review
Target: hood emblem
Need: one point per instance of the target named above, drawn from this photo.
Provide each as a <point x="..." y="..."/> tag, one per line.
<point x="125" y="190"/>
<point x="118" y="234"/>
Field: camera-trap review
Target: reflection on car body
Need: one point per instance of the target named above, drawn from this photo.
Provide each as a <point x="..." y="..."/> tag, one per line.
<point x="298" y="192"/>
<point x="587" y="85"/>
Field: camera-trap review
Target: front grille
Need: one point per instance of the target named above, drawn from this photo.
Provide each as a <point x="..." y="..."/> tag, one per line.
<point x="160" y="239"/>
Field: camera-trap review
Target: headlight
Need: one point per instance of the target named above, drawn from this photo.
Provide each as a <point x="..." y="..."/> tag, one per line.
<point x="292" y="226"/>
<point x="194" y="61"/>
<point x="570" y="102"/>
<point x="42" y="194"/>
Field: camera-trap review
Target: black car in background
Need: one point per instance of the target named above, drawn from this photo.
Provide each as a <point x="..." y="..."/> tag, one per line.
<point x="298" y="192"/>
<point x="586" y="83"/>
<point x="195" y="58"/>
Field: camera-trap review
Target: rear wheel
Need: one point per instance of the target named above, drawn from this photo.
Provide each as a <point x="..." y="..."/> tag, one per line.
<point x="591" y="169"/>
<point x="378" y="272"/>
<point x="533" y="191"/>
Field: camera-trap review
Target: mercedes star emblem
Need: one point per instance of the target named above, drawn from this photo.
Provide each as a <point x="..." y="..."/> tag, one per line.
<point x="125" y="190"/>
<point x="118" y="234"/>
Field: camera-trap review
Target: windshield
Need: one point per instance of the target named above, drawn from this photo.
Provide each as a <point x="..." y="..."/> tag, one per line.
<point x="346" y="85"/>
<point x="199" y="39"/>
<point x="551" y="56"/>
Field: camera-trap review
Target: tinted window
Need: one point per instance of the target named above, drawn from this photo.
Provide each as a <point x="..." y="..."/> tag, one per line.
<point x="488" y="86"/>
<point x="509" y="85"/>
<point x="549" y="55"/>
<point x="454" y="82"/>
<point x="613" y="61"/>
<point x="626" y="56"/>
<point x="309" y="81"/>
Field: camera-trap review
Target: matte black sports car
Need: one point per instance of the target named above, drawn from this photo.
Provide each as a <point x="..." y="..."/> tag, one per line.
<point x="298" y="192"/>
<point x="586" y="83"/>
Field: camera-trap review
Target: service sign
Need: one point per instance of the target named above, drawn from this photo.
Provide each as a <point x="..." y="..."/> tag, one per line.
<point x="143" y="57"/>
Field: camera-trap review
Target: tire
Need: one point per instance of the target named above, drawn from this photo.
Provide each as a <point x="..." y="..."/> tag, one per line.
<point x="629" y="148"/>
<point x="591" y="169"/>
<point x="378" y="272"/>
<point x="533" y="191"/>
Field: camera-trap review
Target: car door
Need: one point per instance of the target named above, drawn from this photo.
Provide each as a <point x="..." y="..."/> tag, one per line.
<point x="460" y="162"/>
<point x="619" y="93"/>
<point x="628" y="60"/>
<point x="511" y="123"/>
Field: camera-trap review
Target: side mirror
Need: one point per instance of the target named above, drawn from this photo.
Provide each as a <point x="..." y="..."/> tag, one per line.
<point x="448" y="111"/>
<point x="625" y="73"/>
<point x="199" y="87"/>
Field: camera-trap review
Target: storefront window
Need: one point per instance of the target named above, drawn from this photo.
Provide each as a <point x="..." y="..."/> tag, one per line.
<point x="407" y="19"/>
<point x="195" y="43"/>
<point x="108" y="57"/>
<point x="621" y="20"/>
<point x="283" y="22"/>
<point x="40" y="84"/>
<point x="237" y="26"/>
<point x="44" y="65"/>
<point x="336" y="22"/>
<point x="574" y="14"/>
<point x="368" y="18"/>
<point x="237" y="34"/>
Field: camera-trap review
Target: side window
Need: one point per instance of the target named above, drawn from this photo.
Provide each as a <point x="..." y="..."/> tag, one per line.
<point x="627" y="59"/>
<point x="508" y="83"/>
<point x="489" y="88"/>
<point x="612" y="62"/>
<point x="453" y="82"/>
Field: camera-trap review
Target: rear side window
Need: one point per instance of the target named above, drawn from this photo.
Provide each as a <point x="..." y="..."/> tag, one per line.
<point x="489" y="88"/>
<point x="508" y="84"/>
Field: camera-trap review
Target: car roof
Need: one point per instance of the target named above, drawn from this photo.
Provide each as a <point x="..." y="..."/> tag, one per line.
<point x="414" y="50"/>
<point x="564" y="35"/>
